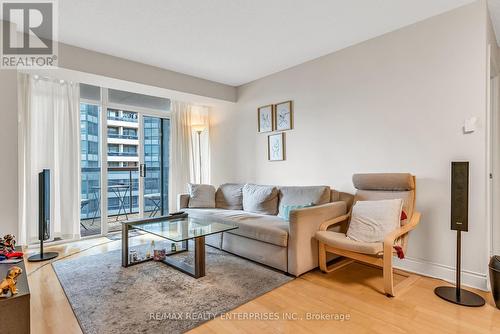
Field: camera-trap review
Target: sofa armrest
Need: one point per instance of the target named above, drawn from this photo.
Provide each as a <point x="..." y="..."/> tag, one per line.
<point x="302" y="246"/>
<point x="182" y="201"/>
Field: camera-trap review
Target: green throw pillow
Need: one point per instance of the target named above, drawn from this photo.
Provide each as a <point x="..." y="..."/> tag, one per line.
<point x="286" y="209"/>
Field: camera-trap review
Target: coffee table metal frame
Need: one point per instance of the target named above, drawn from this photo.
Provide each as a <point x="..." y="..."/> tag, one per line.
<point x="198" y="268"/>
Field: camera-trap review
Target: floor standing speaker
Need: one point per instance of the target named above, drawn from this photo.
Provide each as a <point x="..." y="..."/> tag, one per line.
<point x="43" y="216"/>
<point x="459" y="223"/>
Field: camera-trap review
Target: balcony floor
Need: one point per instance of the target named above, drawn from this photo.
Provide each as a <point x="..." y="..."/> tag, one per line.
<point x="114" y="224"/>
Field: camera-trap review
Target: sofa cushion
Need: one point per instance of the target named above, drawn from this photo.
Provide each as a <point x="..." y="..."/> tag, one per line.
<point x="201" y="195"/>
<point x="371" y="221"/>
<point x="229" y="196"/>
<point x="260" y="199"/>
<point x="303" y="195"/>
<point x="270" y="229"/>
<point x="340" y="240"/>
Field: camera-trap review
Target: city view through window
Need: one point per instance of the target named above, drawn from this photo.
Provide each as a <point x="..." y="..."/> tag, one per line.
<point x="126" y="150"/>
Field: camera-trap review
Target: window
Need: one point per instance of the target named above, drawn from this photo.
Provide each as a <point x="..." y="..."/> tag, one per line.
<point x="130" y="132"/>
<point x="113" y="148"/>
<point x="129" y="116"/>
<point x="113" y="131"/>
<point x="124" y="141"/>
<point x="130" y="149"/>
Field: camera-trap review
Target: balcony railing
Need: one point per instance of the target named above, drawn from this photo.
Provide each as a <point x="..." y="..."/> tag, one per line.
<point x="119" y="136"/>
<point x="125" y="176"/>
<point x="122" y="119"/>
<point x="122" y="154"/>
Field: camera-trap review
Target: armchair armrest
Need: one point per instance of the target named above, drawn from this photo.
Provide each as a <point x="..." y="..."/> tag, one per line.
<point x="303" y="225"/>
<point x="182" y="201"/>
<point x="391" y="237"/>
<point x="334" y="221"/>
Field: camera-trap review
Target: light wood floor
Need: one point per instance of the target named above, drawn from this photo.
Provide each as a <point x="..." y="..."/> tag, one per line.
<point x="352" y="290"/>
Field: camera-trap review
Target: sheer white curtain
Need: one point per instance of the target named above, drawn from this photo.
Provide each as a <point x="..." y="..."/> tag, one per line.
<point x="49" y="128"/>
<point x="184" y="148"/>
<point x="180" y="151"/>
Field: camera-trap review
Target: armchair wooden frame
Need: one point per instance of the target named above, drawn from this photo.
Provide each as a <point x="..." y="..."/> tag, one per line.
<point x="384" y="262"/>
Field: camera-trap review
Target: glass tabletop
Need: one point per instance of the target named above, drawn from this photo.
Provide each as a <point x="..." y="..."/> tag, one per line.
<point x="182" y="228"/>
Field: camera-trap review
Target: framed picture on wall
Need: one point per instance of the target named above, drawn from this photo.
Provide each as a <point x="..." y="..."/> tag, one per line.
<point x="276" y="147"/>
<point x="265" y="118"/>
<point x="284" y="116"/>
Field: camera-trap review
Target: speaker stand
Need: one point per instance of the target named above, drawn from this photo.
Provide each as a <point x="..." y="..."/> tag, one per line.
<point x="457" y="295"/>
<point x="43" y="256"/>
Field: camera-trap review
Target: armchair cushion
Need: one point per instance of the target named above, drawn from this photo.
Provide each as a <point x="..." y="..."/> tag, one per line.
<point x="384" y="181"/>
<point x="371" y="221"/>
<point x="341" y="241"/>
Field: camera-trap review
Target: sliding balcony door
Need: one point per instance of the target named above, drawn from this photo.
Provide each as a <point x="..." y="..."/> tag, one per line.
<point x="154" y="166"/>
<point x="122" y="192"/>
<point x="121" y="131"/>
<point x="90" y="161"/>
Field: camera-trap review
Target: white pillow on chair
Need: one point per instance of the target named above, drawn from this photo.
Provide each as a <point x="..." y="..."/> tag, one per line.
<point x="371" y="221"/>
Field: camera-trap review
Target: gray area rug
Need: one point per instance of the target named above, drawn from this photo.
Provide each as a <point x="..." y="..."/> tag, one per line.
<point x="118" y="235"/>
<point x="154" y="298"/>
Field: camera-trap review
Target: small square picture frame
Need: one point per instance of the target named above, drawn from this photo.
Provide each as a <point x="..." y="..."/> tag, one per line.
<point x="283" y="117"/>
<point x="265" y="118"/>
<point x="276" y="147"/>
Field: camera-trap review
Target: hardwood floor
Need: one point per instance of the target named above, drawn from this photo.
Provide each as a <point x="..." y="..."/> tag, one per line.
<point x="352" y="291"/>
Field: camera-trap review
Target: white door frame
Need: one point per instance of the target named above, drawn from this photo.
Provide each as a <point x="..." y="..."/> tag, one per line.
<point x="140" y="151"/>
<point x="104" y="161"/>
<point x="492" y="145"/>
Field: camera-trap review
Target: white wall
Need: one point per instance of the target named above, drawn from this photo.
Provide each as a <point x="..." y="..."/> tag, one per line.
<point x="78" y="59"/>
<point x="395" y="103"/>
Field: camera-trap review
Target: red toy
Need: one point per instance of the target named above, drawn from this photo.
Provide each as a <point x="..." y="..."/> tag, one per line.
<point x="8" y="247"/>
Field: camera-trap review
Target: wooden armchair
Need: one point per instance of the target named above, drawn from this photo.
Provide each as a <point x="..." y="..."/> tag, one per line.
<point x="373" y="187"/>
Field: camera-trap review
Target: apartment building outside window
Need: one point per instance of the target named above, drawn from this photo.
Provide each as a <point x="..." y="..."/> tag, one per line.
<point x="125" y="151"/>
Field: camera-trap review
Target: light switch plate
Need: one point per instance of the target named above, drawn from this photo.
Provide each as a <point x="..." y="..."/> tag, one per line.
<point x="470" y="125"/>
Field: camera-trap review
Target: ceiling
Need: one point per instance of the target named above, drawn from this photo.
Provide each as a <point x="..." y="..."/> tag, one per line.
<point x="233" y="41"/>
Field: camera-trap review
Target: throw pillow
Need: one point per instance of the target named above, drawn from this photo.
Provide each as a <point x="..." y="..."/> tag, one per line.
<point x="371" y="221"/>
<point x="285" y="210"/>
<point x="229" y="196"/>
<point x="201" y="195"/>
<point x="260" y="199"/>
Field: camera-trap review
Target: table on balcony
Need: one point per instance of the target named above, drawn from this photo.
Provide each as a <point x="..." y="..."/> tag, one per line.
<point x="120" y="191"/>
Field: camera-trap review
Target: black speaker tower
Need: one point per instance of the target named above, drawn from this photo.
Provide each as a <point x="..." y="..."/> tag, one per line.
<point x="43" y="216"/>
<point x="459" y="223"/>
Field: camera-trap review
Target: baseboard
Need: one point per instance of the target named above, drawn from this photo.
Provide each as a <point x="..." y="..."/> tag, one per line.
<point x="446" y="273"/>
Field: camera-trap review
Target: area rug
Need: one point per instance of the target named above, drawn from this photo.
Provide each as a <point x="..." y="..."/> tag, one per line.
<point x="118" y="235"/>
<point x="152" y="297"/>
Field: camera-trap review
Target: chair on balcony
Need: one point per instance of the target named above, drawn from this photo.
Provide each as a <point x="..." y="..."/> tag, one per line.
<point x="373" y="187"/>
<point x="156" y="200"/>
<point x="83" y="203"/>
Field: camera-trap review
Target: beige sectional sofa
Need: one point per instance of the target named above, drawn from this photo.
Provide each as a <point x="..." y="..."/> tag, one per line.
<point x="264" y="234"/>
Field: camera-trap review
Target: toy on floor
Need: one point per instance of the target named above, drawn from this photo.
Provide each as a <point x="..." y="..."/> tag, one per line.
<point x="9" y="241"/>
<point x="8" y="247"/>
<point x="9" y="283"/>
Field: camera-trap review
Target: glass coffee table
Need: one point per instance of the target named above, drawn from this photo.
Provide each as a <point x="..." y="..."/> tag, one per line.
<point x="177" y="228"/>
